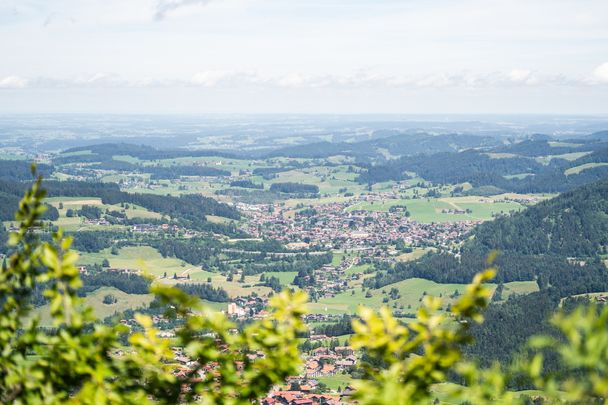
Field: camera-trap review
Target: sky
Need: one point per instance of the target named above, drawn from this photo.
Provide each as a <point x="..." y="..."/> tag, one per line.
<point x="304" y="56"/>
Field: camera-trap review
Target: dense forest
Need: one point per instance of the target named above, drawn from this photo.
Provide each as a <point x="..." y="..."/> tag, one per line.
<point x="397" y="144"/>
<point x="94" y="241"/>
<point x="174" y="172"/>
<point x="106" y="152"/>
<point x="246" y="184"/>
<point x="20" y="170"/>
<point x="575" y="224"/>
<point x="194" y="251"/>
<point x="508" y="325"/>
<point x="189" y="210"/>
<point x="205" y="292"/>
<point x="3" y="238"/>
<point x="98" y="277"/>
<point x="126" y="282"/>
<point x="294" y="188"/>
<point x="10" y="194"/>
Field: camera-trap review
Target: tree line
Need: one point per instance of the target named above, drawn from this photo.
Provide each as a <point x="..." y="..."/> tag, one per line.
<point x="294" y="188"/>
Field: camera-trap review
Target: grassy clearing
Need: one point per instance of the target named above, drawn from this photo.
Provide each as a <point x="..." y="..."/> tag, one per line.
<point x="501" y="155"/>
<point x="149" y="261"/>
<point x="360" y="268"/>
<point x="337" y="258"/>
<point x="335" y="382"/>
<point x="76" y="203"/>
<point x="558" y="144"/>
<point x="430" y="210"/>
<point x="127" y="158"/>
<point x="330" y="180"/>
<point x="580" y="168"/>
<point x="285" y="277"/>
<point x="411" y="292"/>
<point x="416" y="254"/>
<point x="219" y="220"/>
<point x="77" y="153"/>
<point x="185" y="186"/>
<point x="519" y="288"/>
<point x="234" y="288"/>
<point x="232" y="165"/>
<point x="95" y="300"/>
<point x="518" y="176"/>
<point x="545" y="160"/>
<point x="124" y="301"/>
<point x="143" y="258"/>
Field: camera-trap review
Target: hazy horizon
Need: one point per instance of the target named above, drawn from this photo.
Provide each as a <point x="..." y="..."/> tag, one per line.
<point x="270" y="56"/>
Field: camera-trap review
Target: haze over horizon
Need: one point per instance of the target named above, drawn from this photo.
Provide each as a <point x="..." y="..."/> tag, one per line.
<point x="270" y="56"/>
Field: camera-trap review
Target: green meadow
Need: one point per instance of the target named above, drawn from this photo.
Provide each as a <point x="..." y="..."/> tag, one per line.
<point x="411" y="292"/>
<point x="427" y="210"/>
<point x="580" y="168"/>
<point x="100" y="310"/>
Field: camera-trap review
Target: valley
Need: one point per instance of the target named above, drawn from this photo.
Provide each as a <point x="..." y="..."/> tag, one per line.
<point x="350" y="229"/>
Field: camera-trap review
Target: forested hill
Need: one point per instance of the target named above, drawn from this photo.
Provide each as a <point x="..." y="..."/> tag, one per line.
<point x="11" y="193"/>
<point x="190" y="205"/>
<point x="106" y="151"/>
<point x="574" y="224"/>
<point x="189" y="210"/>
<point x="19" y="170"/>
<point x="531" y="166"/>
<point x="396" y="145"/>
<point x="557" y="243"/>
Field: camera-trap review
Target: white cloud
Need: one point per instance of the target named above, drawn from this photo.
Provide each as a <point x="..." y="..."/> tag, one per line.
<point x="166" y="7"/>
<point x="213" y="78"/>
<point x="367" y="79"/>
<point x="519" y="75"/>
<point x="13" y="82"/>
<point x="601" y="73"/>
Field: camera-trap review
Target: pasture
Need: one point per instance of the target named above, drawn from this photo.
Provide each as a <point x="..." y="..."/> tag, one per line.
<point x="71" y="224"/>
<point x="143" y="258"/>
<point x="580" y="168"/>
<point x="149" y="261"/>
<point x="336" y="382"/>
<point x="427" y="210"/>
<point x="100" y="310"/>
<point x="411" y="292"/>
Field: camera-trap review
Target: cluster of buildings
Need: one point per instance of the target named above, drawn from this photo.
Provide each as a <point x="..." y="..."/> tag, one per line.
<point x="455" y="211"/>
<point x="520" y="199"/>
<point x="324" y="361"/>
<point x="85" y="270"/>
<point x="330" y="280"/>
<point x="303" y="396"/>
<point x="334" y="226"/>
<point x="96" y="221"/>
<point x="245" y="308"/>
<point x="148" y="228"/>
<point x="155" y="228"/>
<point x="304" y="388"/>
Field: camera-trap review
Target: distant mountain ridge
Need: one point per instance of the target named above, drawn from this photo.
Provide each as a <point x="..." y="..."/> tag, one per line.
<point x="601" y="136"/>
<point x="395" y="145"/>
<point x="547" y="167"/>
